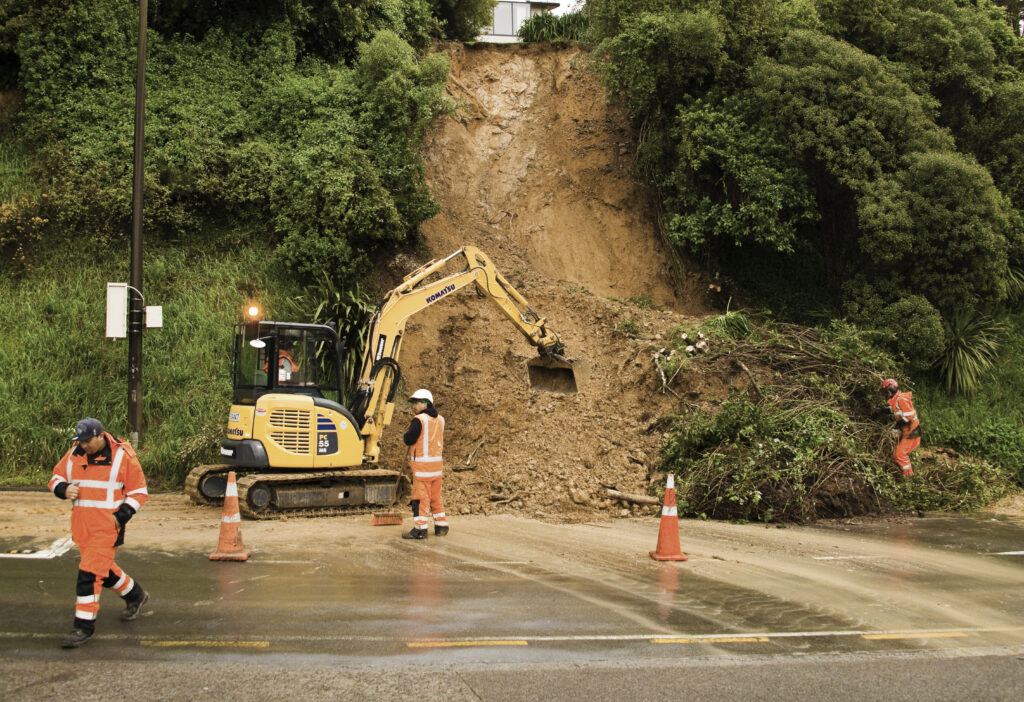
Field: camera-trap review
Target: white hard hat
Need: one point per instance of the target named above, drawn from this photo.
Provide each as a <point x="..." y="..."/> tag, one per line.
<point x="422" y="395"/>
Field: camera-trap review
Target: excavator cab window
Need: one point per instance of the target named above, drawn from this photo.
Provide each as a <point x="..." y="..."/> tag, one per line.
<point x="285" y="358"/>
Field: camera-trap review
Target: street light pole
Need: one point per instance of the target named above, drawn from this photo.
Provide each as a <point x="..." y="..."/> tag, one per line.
<point x="135" y="321"/>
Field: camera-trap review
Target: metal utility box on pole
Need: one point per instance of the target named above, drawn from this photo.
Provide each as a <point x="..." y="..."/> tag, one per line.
<point x="135" y="321"/>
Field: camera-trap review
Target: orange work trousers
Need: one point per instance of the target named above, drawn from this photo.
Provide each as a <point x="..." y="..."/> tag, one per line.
<point x="902" y="454"/>
<point x="427" y="493"/>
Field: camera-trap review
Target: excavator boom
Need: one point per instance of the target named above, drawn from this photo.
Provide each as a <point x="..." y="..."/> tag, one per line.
<point x="551" y="371"/>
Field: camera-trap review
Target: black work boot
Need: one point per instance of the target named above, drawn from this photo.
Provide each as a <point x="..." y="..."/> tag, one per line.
<point x="132" y="609"/>
<point x="440" y="530"/>
<point x="76" y="638"/>
<point x="415" y="534"/>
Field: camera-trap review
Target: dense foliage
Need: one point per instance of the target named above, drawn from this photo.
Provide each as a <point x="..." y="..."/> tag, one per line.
<point x="871" y="151"/>
<point x="799" y="441"/>
<point x="284" y="135"/>
<point x="548" y="26"/>
<point x="316" y="160"/>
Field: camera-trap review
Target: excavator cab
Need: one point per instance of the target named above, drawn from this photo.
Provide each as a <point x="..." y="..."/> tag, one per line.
<point x="286" y="357"/>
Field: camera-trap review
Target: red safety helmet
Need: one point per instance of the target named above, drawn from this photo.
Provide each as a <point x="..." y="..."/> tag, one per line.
<point x="890" y="385"/>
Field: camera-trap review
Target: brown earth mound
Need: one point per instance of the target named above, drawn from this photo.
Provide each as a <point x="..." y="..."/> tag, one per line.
<point x="534" y="170"/>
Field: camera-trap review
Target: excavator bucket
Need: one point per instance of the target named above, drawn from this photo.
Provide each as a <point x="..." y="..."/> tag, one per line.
<point x="551" y="374"/>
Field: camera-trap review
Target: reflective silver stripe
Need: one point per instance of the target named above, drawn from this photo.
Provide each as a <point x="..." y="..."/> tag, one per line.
<point x="119" y="589"/>
<point x="440" y="515"/>
<point x="424" y="438"/>
<point x="228" y="519"/>
<point x="120" y="582"/>
<point x="82" y="614"/>
<point x="59" y="481"/>
<point x="133" y="503"/>
<point x="668" y="511"/>
<point x="102" y="484"/>
<point x="110" y="485"/>
<point x="910" y="415"/>
<point x="87" y="599"/>
<point x="67" y="469"/>
<point x="140" y="491"/>
<point x="427" y="460"/>
<point x="417" y="474"/>
<point x="102" y="504"/>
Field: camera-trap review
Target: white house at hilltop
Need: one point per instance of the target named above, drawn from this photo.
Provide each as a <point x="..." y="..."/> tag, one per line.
<point x="509" y="17"/>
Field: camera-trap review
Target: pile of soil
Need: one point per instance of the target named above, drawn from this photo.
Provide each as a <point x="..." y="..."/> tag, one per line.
<point x="534" y="169"/>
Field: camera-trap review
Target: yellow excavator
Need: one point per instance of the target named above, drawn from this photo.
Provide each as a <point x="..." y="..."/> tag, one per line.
<point x="299" y="452"/>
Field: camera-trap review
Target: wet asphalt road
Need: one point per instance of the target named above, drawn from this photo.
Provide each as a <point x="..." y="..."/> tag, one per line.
<point x="516" y="609"/>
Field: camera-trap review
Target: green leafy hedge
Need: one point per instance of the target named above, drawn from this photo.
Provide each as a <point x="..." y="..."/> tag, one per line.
<point x="873" y="150"/>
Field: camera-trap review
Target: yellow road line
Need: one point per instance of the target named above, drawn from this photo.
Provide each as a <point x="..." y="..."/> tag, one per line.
<point x="209" y="644"/>
<point x="452" y="644"/>
<point x="922" y="635"/>
<point x="724" y="639"/>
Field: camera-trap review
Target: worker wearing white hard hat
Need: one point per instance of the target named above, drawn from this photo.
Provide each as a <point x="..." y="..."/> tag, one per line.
<point x="425" y="439"/>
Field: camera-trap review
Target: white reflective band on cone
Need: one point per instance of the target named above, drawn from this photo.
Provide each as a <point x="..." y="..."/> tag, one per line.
<point x="671" y="482"/>
<point x="232" y="490"/>
<point x="668" y="511"/>
<point x="232" y="518"/>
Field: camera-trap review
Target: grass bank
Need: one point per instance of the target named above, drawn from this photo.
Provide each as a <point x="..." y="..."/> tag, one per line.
<point x="59" y="367"/>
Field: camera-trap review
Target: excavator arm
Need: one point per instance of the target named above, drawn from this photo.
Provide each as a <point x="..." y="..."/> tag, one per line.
<point x="380" y="371"/>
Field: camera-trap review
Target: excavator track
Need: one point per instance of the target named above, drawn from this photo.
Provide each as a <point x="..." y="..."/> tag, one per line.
<point x="317" y="494"/>
<point x="205" y="484"/>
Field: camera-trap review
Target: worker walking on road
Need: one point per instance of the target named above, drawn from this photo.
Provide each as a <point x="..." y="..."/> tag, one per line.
<point x="902" y="406"/>
<point x="103" y="479"/>
<point x="425" y="439"/>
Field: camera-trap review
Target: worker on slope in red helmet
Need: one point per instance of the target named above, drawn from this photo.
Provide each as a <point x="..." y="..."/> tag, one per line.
<point x="902" y="406"/>
<point x="425" y="439"/>
<point x="103" y="479"/>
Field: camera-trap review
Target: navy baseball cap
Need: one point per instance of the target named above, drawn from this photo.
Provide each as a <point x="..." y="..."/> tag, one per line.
<point x="87" y="429"/>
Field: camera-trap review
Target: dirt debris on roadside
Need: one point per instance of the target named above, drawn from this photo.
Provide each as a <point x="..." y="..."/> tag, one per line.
<point x="534" y="169"/>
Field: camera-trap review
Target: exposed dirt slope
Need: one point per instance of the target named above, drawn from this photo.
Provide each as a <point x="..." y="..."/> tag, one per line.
<point x="534" y="170"/>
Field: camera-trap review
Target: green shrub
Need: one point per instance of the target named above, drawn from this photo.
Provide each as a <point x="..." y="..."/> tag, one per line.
<point x="996" y="440"/>
<point x="972" y="348"/>
<point x="766" y="463"/>
<point x="909" y="326"/>
<point x="350" y="310"/>
<point x="627" y="326"/>
<point x="732" y="325"/>
<point x="547" y="26"/>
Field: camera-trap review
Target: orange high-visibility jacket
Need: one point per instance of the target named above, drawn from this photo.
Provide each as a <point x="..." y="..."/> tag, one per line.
<point x="425" y="455"/>
<point x="903" y="408"/>
<point x="103" y="489"/>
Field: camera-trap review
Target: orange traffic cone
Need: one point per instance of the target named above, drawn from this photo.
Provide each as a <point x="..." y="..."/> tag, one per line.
<point x="668" y="533"/>
<point x="230" y="546"/>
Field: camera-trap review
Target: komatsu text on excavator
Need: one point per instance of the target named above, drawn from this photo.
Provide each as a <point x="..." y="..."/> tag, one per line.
<point x="296" y="449"/>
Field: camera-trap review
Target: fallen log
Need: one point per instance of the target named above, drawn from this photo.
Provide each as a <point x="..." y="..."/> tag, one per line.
<point x="635" y="499"/>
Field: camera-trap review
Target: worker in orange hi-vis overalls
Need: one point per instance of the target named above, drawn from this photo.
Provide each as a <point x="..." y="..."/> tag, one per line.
<point x="103" y="479"/>
<point x="425" y="439"/>
<point x="902" y="406"/>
